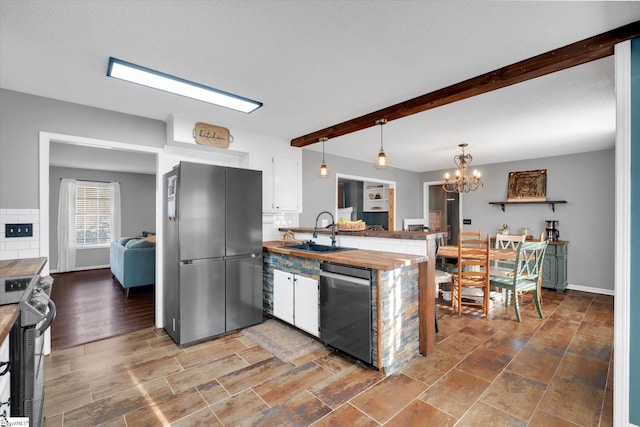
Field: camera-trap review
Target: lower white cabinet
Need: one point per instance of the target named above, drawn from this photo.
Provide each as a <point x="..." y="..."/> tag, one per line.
<point x="283" y="295"/>
<point x="295" y="300"/>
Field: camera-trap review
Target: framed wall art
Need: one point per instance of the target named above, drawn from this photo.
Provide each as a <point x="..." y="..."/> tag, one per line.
<point x="527" y="186"/>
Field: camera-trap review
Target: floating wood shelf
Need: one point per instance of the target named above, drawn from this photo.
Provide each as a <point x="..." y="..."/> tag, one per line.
<point x="553" y="203"/>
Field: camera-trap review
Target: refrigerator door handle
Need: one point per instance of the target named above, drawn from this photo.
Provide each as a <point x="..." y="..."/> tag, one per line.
<point x="230" y="258"/>
<point x="200" y="261"/>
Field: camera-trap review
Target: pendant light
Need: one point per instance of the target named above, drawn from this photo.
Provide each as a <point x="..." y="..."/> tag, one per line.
<point x="381" y="162"/>
<point x="323" y="172"/>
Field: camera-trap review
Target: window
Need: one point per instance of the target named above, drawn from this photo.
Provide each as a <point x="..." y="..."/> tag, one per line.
<point x="93" y="214"/>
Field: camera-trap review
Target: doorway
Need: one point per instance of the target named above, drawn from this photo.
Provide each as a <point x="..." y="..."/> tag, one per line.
<point x="45" y="141"/>
<point x="369" y="200"/>
<point x="443" y="210"/>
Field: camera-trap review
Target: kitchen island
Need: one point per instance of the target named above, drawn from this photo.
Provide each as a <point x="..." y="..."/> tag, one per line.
<point x="402" y="295"/>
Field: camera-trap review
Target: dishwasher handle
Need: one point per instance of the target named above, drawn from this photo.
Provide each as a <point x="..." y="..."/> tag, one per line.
<point x="344" y="278"/>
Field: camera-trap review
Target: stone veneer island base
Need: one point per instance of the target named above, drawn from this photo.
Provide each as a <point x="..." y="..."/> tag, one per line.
<point x="397" y="281"/>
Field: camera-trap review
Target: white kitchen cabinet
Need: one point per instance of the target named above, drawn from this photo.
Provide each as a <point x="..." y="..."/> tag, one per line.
<point x="306" y="305"/>
<point x="283" y="295"/>
<point x="280" y="183"/>
<point x="295" y="300"/>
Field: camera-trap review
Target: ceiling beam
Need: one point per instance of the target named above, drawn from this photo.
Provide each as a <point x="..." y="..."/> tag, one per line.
<point x="581" y="52"/>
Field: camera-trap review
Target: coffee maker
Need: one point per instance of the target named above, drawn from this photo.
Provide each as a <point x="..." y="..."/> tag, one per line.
<point x="552" y="230"/>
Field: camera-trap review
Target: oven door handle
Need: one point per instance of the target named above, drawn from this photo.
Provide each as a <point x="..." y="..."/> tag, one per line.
<point x="50" y="317"/>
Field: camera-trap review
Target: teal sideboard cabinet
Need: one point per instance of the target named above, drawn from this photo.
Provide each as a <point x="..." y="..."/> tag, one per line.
<point x="554" y="271"/>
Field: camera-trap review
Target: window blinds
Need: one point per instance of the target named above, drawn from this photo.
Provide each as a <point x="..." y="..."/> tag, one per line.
<point x="93" y="215"/>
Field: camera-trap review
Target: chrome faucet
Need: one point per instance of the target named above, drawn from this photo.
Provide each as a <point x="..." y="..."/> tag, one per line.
<point x="333" y="228"/>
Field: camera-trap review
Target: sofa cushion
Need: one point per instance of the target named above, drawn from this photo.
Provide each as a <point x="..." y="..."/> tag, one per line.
<point x="139" y="244"/>
<point x="123" y="240"/>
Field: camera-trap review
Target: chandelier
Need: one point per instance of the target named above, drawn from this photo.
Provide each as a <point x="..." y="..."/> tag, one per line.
<point x="462" y="182"/>
<point x="381" y="161"/>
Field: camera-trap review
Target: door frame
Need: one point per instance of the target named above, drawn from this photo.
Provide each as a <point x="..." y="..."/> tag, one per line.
<point x="44" y="140"/>
<point x="425" y="201"/>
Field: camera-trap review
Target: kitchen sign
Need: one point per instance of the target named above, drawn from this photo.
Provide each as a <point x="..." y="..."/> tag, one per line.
<point x="215" y="136"/>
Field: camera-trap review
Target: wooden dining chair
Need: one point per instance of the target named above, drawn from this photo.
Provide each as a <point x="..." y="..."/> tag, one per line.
<point x="524" y="276"/>
<point x="465" y="236"/>
<point x="470" y="284"/>
<point x="469" y="235"/>
<point x="505" y="241"/>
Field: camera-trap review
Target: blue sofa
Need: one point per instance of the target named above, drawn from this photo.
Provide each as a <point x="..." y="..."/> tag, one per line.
<point x="133" y="262"/>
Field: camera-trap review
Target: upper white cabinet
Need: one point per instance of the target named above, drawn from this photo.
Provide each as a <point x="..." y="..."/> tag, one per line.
<point x="376" y="197"/>
<point x="280" y="183"/>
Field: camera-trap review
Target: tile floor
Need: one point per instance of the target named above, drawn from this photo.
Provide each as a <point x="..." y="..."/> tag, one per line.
<point x="555" y="371"/>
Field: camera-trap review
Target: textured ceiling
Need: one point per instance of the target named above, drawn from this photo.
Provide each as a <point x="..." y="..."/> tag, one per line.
<point x="317" y="63"/>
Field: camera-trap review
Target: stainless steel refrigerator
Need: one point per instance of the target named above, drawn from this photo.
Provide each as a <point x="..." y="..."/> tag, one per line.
<point x="212" y="250"/>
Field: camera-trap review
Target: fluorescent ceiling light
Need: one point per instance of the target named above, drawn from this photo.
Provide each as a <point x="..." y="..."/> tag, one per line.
<point x="147" y="77"/>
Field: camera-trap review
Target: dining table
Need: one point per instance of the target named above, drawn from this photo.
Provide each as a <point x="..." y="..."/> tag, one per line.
<point x="495" y="254"/>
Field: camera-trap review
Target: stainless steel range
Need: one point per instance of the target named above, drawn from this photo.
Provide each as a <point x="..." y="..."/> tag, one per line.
<point x="37" y="311"/>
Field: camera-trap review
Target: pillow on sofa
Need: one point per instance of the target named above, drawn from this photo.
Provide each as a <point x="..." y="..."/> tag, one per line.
<point x="139" y="244"/>
<point x="151" y="238"/>
<point x="148" y="233"/>
<point x="123" y="240"/>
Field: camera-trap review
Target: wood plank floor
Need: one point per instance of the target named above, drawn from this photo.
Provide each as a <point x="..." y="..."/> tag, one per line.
<point x="555" y="371"/>
<point x="91" y="305"/>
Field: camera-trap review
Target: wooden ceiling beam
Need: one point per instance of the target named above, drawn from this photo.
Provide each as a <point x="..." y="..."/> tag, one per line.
<point x="581" y="52"/>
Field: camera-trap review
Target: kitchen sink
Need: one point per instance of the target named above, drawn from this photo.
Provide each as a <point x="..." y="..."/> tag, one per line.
<point x="315" y="247"/>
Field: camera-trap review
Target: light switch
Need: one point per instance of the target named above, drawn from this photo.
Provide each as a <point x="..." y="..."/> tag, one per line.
<point x="18" y="230"/>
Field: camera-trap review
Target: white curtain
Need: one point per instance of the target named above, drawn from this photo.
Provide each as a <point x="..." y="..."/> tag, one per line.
<point x="115" y="211"/>
<point x="67" y="225"/>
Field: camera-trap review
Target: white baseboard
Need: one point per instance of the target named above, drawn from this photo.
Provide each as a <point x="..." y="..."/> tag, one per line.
<point x="90" y="267"/>
<point x="591" y="290"/>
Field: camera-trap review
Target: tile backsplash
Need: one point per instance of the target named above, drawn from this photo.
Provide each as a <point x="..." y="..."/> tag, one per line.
<point x="272" y="221"/>
<point x="19" y="247"/>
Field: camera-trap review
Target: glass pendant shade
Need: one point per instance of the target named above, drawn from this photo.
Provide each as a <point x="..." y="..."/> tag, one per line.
<point x="381" y="161"/>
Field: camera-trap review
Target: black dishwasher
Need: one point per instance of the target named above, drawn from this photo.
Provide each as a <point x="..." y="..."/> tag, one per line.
<point x="345" y="309"/>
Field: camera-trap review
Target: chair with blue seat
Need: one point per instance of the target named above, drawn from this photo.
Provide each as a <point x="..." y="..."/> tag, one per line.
<point x="525" y="275"/>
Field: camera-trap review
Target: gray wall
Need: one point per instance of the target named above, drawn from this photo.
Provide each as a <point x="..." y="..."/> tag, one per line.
<point x="320" y="194"/>
<point x="23" y="116"/>
<point x="138" y="207"/>
<point x="585" y="181"/>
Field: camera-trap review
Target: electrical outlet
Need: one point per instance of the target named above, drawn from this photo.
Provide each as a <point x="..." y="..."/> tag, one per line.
<point x="466" y="221"/>
<point x="18" y="230"/>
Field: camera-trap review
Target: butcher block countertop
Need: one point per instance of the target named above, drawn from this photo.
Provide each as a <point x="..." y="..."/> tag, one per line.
<point x="410" y="235"/>
<point x="16" y="268"/>
<point x="8" y="315"/>
<point x="357" y="257"/>
<point x="22" y="267"/>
